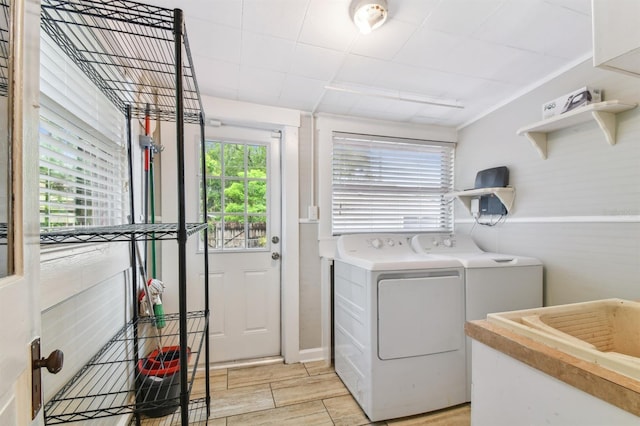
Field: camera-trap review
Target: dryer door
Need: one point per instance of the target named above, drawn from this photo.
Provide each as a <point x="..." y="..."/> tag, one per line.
<point x="420" y="316"/>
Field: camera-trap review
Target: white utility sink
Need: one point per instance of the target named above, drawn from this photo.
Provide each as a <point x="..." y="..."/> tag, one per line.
<point x="605" y="332"/>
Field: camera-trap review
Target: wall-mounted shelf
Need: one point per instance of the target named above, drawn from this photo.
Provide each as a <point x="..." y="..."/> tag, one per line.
<point x="506" y="196"/>
<point x="604" y="113"/>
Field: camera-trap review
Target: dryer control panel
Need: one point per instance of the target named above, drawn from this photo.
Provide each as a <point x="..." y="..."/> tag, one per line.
<point x="365" y="245"/>
<point x="443" y="244"/>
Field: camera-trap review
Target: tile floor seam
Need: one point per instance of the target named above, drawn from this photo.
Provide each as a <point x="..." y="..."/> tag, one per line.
<point x="328" y="412"/>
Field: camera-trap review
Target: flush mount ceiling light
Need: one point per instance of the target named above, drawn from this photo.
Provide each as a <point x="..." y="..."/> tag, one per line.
<point x="368" y="14"/>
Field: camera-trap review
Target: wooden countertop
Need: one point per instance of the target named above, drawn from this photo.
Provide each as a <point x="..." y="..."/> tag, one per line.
<point x="614" y="388"/>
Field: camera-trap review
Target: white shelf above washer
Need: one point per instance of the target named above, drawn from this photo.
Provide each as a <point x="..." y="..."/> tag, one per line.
<point x="604" y="113"/>
<point x="506" y="196"/>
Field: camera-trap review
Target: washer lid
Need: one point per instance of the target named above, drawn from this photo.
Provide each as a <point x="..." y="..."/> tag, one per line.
<point x="494" y="260"/>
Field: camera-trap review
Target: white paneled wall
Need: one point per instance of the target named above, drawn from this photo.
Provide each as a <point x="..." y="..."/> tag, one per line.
<point x="81" y="325"/>
<point x="579" y="210"/>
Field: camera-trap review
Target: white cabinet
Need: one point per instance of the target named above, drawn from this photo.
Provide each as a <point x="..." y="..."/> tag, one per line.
<point x="616" y="35"/>
<point x="506" y="392"/>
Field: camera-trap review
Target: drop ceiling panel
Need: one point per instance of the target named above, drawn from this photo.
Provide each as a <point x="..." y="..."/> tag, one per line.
<point x="463" y="17"/>
<point x="385" y="42"/>
<point x="266" y="52"/>
<point x="315" y="62"/>
<point x="281" y="18"/>
<point x="215" y="41"/>
<point x="412" y="11"/>
<point x="301" y="92"/>
<point x="361" y="69"/>
<point x="427" y="47"/>
<point x="327" y="24"/>
<point x="267" y="84"/>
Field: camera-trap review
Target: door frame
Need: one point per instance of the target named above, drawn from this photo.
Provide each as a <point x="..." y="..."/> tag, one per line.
<point x="22" y="288"/>
<point x="220" y="111"/>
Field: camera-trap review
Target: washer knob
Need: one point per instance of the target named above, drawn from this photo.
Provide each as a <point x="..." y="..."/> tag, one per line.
<point x="376" y="243"/>
<point x="447" y="242"/>
<point x="391" y="243"/>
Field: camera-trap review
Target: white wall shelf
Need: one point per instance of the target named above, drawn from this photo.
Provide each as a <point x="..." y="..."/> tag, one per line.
<point x="506" y="196"/>
<point x="604" y="113"/>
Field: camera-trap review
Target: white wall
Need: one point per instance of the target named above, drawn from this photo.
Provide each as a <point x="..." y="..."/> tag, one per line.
<point x="579" y="210"/>
<point x="85" y="294"/>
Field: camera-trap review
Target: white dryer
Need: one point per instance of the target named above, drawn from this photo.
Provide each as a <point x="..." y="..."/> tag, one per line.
<point x="398" y="326"/>
<point x="494" y="282"/>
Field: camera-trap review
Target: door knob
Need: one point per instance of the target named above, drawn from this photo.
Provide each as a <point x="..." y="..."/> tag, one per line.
<point x="275" y="255"/>
<point x="53" y="362"/>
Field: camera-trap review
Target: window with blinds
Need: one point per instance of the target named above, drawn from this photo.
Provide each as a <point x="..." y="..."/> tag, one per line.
<point x="82" y="154"/>
<point x="382" y="184"/>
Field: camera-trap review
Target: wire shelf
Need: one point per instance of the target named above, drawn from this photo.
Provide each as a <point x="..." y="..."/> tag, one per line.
<point x="109" y="384"/>
<point x="139" y="232"/>
<point x="128" y="50"/>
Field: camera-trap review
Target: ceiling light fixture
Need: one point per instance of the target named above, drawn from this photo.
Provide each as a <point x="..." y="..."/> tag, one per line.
<point x="357" y="89"/>
<point x="368" y="14"/>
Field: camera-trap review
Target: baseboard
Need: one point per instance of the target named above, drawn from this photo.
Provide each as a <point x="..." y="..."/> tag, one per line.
<point x="309" y="355"/>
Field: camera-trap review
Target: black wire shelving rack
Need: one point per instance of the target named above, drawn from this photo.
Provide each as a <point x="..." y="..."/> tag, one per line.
<point x="138" y="56"/>
<point x="102" y="388"/>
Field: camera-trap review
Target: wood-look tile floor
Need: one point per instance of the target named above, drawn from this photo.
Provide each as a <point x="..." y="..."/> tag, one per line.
<point x="306" y="394"/>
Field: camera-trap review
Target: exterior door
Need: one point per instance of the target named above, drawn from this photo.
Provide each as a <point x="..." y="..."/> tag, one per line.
<point x="19" y="284"/>
<point x="243" y="198"/>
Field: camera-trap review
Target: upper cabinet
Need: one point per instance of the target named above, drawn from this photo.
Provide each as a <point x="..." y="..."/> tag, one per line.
<point x="616" y="35"/>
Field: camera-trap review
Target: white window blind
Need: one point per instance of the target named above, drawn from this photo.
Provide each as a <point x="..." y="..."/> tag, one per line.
<point x="383" y="184"/>
<point x="82" y="154"/>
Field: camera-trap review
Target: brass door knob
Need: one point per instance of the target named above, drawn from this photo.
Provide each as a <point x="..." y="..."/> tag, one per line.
<point x="53" y="362"/>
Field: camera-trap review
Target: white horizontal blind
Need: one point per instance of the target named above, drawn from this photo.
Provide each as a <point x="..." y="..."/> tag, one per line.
<point x="383" y="184"/>
<point x="82" y="154"/>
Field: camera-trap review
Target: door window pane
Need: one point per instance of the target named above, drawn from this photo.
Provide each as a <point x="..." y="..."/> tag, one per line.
<point x="237" y="198"/>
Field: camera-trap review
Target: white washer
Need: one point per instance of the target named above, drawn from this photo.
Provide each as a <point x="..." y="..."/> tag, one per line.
<point x="398" y="326"/>
<point x="493" y="282"/>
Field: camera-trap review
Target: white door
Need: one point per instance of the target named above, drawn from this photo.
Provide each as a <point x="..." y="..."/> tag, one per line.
<point x="244" y="215"/>
<point x="19" y="286"/>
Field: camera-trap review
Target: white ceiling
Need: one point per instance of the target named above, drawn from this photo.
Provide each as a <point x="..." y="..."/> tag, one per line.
<point x="477" y="52"/>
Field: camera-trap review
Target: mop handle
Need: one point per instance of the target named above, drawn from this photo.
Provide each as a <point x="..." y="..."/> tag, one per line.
<point x="148" y="295"/>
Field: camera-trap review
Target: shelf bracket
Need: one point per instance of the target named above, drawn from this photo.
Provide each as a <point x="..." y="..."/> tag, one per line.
<point x="607" y="122"/>
<point x="539" y="141"/>
<point x="506" y="198"/>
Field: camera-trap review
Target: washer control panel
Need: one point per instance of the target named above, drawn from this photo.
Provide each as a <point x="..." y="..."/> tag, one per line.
<point x="443" y="243"/>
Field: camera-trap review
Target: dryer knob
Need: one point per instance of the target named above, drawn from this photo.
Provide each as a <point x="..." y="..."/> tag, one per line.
<point x="447" y="242"/>
<point x="376" y="243"/>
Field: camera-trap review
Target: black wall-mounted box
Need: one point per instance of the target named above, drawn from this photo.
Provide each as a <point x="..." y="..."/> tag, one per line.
<point x="495" y="177"/>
